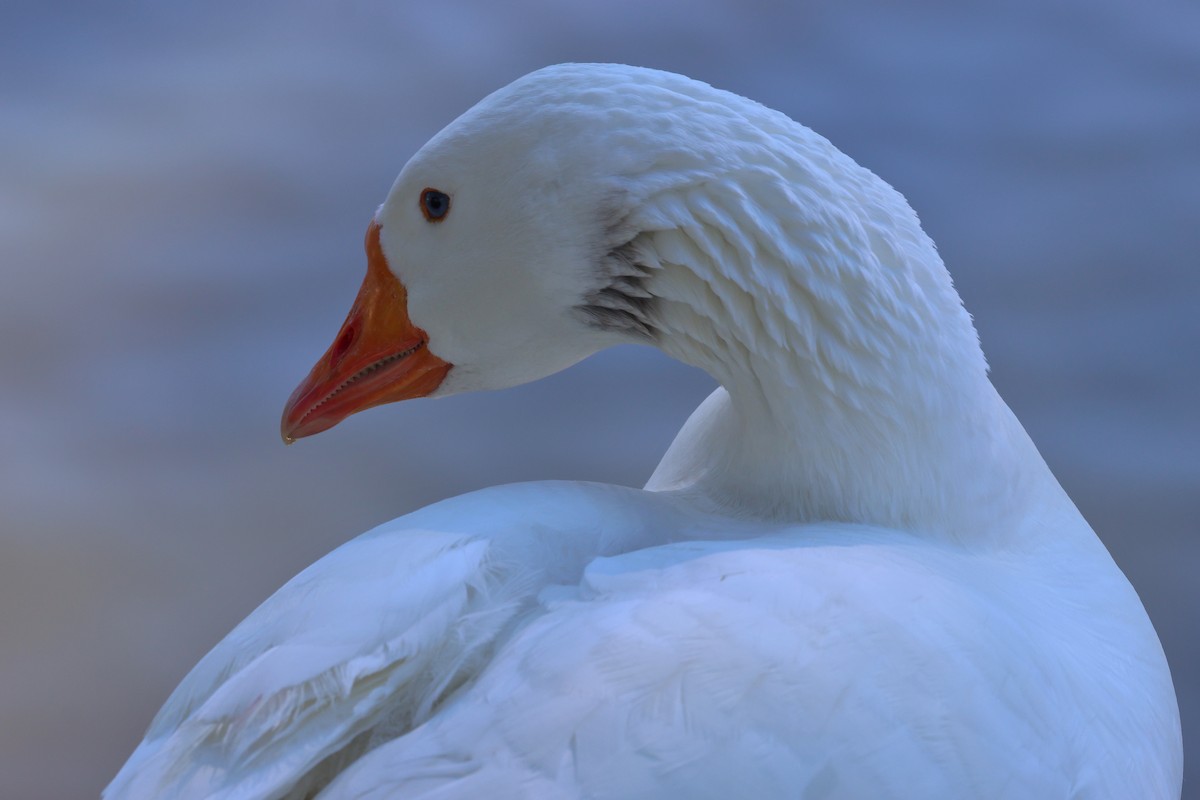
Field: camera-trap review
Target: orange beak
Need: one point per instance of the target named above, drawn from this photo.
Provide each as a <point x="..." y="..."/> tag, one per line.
<point x="378" y="357"/>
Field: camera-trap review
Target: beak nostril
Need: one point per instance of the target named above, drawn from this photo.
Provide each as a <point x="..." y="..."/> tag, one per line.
<point x="342" y="345"/>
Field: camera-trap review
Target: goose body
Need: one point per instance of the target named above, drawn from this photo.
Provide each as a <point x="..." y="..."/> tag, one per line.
<point x="852" y="575"/>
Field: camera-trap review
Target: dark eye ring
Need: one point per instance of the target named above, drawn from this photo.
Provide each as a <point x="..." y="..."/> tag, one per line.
<point x="435" y="205"/>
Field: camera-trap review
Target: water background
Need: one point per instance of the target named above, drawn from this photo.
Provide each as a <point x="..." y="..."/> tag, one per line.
<point x="183" y="192"/>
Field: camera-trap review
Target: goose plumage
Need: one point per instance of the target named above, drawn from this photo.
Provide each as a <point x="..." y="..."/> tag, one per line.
<point x="852" y="575"/>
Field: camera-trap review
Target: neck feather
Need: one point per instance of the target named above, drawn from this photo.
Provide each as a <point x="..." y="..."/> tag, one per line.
<point x="855" y="388"/>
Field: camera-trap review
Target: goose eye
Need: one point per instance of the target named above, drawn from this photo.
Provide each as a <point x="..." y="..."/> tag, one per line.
<point x="435" y="205"/>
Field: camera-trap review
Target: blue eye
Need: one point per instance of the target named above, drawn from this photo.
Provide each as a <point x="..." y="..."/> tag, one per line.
<point x="435" y="205"/>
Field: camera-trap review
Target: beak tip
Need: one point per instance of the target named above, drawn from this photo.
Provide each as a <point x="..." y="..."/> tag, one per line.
<point x="287" y="432"/>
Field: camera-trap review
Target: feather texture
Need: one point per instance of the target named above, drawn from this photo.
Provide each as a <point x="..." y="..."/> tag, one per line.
<point x="852" y="575"/>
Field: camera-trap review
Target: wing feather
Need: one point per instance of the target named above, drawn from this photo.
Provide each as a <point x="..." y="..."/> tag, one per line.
<point x="362" y="646"/>
<point x="780" y="668"/>
<point x="320" y="663"/>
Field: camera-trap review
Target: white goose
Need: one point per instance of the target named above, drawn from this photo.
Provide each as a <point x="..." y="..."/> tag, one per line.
<point x="851" y="576"/>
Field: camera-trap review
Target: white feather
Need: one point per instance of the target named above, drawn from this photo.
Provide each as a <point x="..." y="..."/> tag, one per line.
<point x="851" y="576"/>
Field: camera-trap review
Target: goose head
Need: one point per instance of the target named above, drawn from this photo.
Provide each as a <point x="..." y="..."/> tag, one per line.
<point x="485" y="262"/>
<point x="588" y="205"/>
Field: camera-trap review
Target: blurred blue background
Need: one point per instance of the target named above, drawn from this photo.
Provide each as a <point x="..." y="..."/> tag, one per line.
<point x="183" y="193"/>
